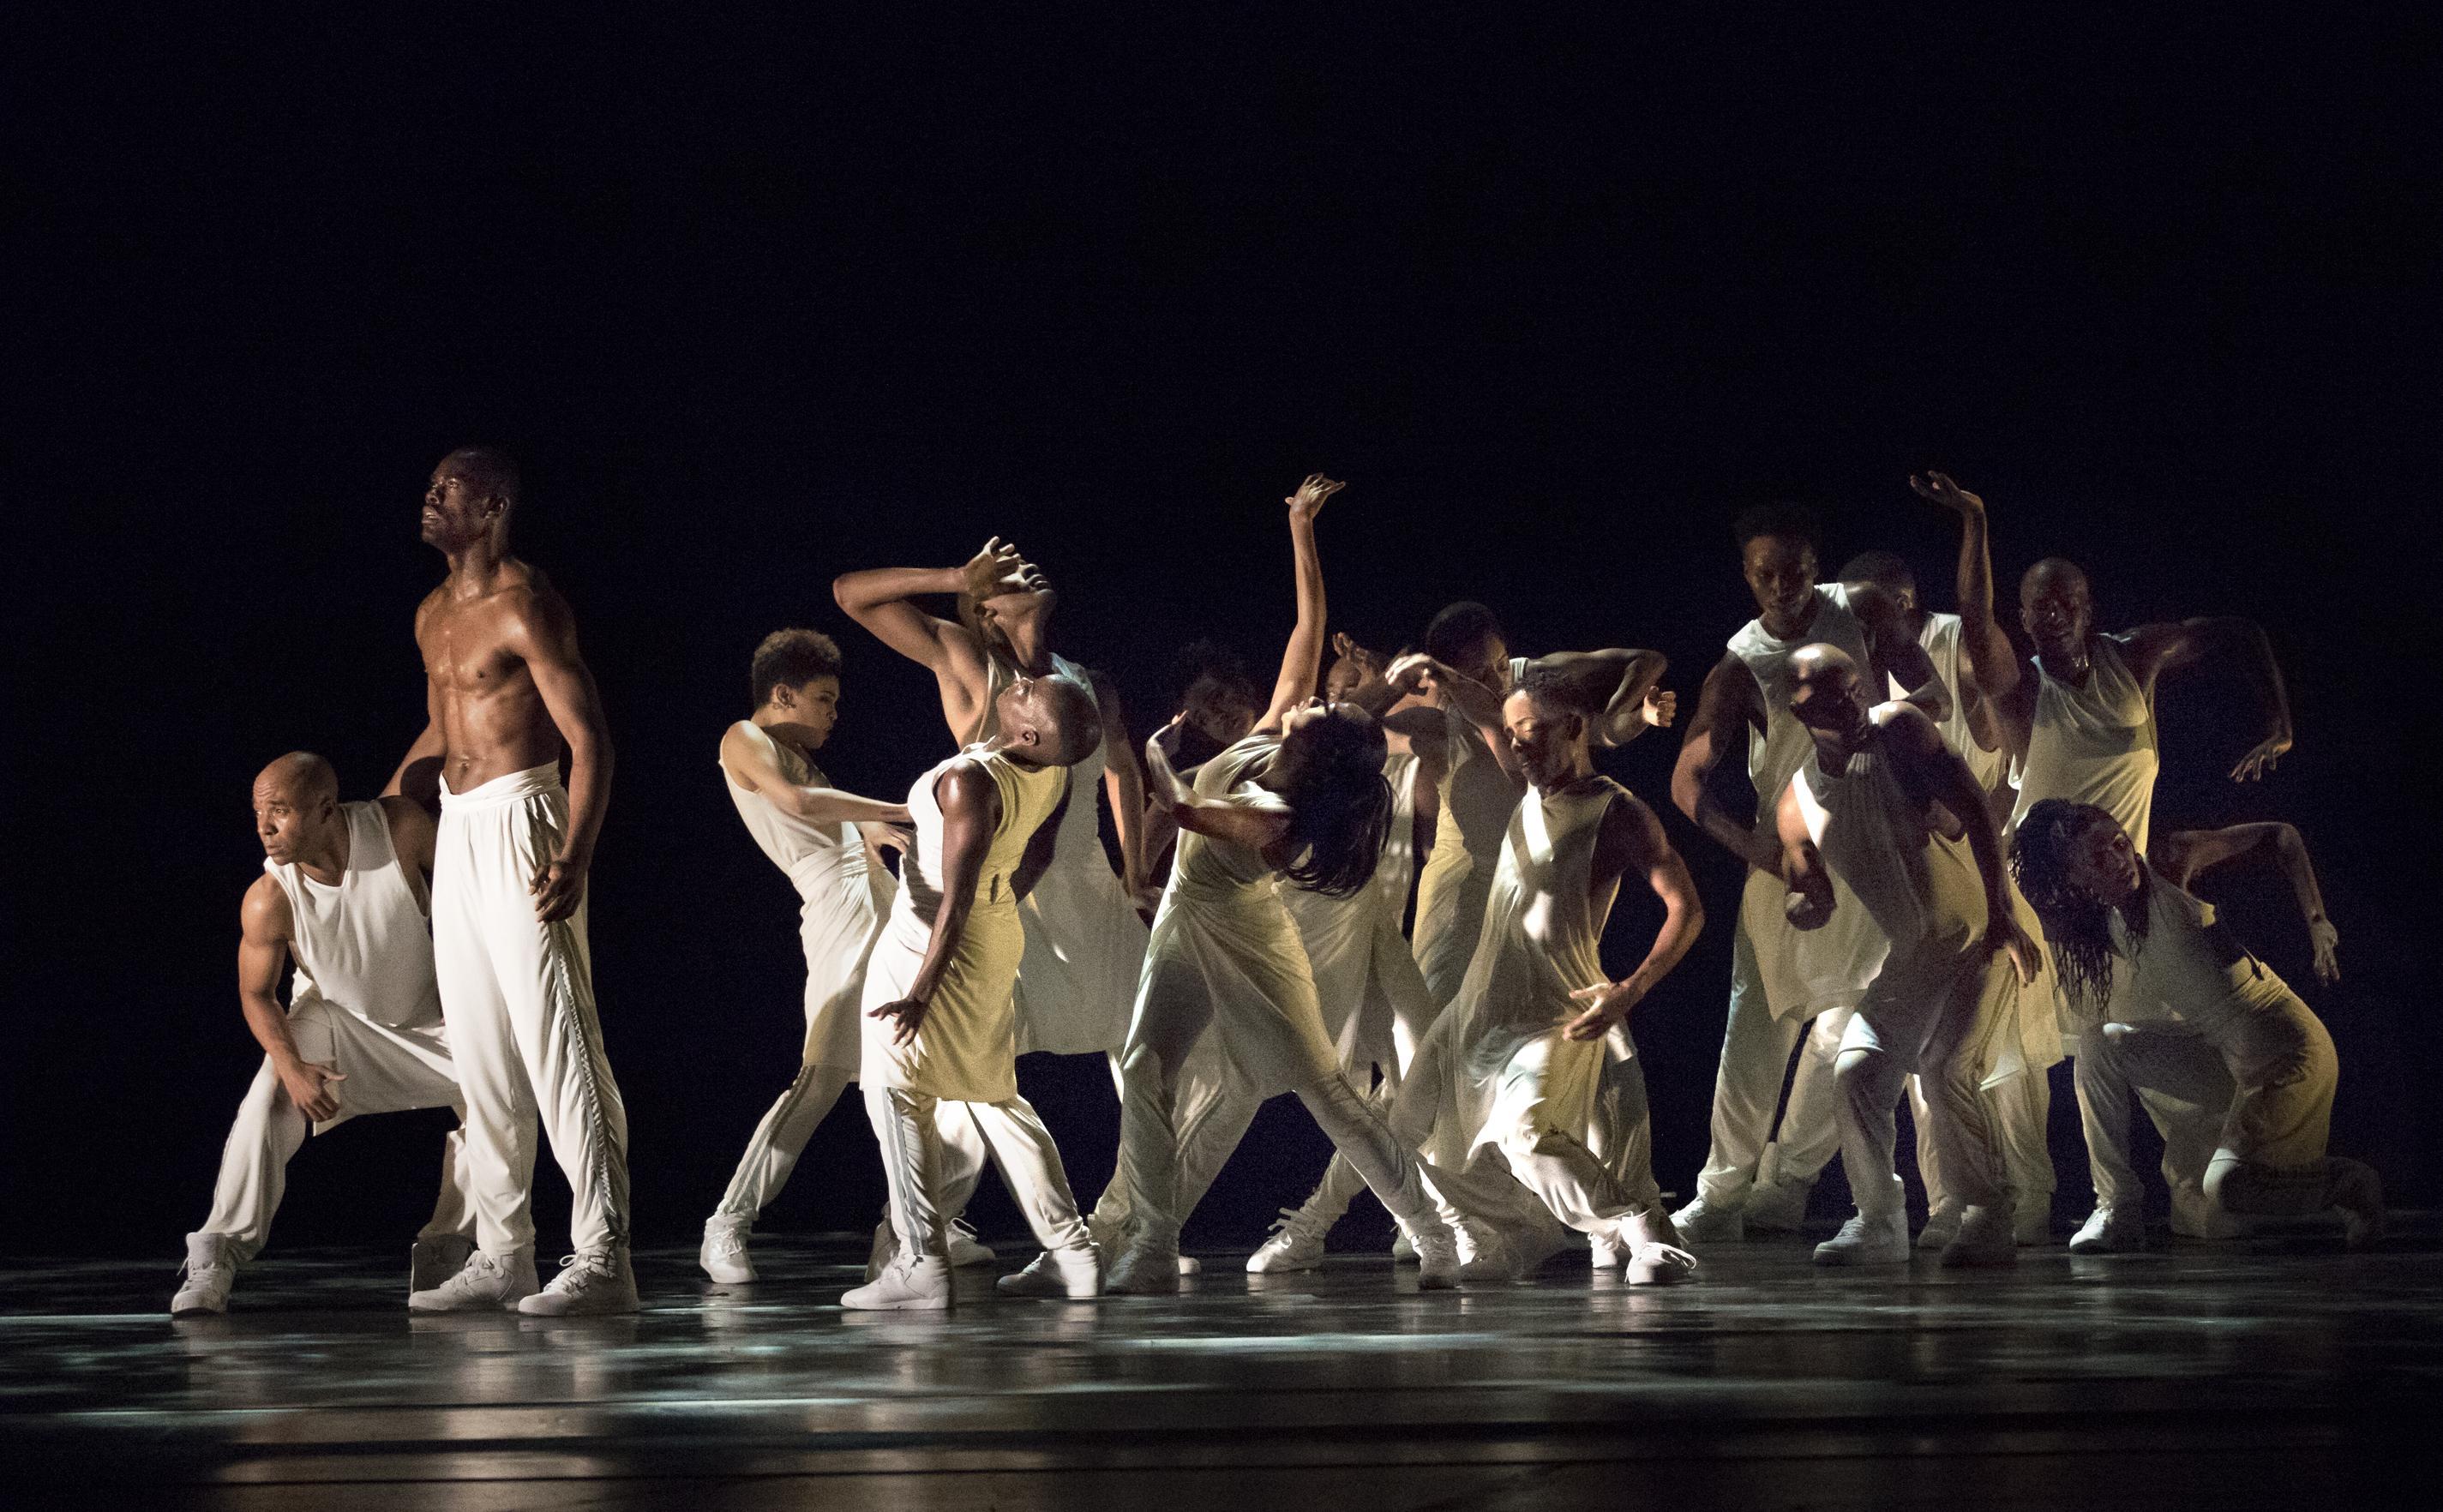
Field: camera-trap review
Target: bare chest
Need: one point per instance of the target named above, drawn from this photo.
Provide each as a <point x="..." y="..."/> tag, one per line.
<point x="466" y="649"/>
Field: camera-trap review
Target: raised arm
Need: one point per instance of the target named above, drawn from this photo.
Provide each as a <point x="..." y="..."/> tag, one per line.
<point x="2181" y="857"/>
<point x="1940" y="774"/>
<point x="2159" y="648"/>
<point x="970" y="812"/>
<point x="1724" y="707"/>
<point x="1124" y="782"/>
<point x="1221" y="819"/>
<point x="880" y="598"/>
<point x="1632" y="843"/>
<point x="1616" y="681"/>
<point x="543" y="634"/>
<point x="1302" y="659"/>
<point x="1896" y="654"/>
<point x="751" y="766"/>
<point x="1992" y="663"/>
<point x="264" y="928"/>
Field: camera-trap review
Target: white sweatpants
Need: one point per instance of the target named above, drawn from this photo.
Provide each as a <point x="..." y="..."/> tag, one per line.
<point x="1747" y="1090"/>
<point x="908" y="1126"/>
<point x="772" y="1152"/>
<point x="388" y="1070"/>
<point x="2019" y="1106"/>
<point x="1574" y="1183"/>
<point x="1925" y="1012"/>
<point x="518" y="996"/>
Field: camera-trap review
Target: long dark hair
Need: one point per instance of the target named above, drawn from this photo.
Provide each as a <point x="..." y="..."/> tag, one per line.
<point x="2078" y="925"/>
<point x="1340" y="804"/>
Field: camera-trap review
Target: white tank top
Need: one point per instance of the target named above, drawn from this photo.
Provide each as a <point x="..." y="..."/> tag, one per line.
<point x="365" y="944"/>
<point x="2093" y="744"/>
<point x="821" y="859"/>
<point x="1918" y="888"/>
<point x="1777" y="751"/>
<point x="2187" y="971"/>
<point x="1941" y="640"/>
<point x="1543" y="925"/>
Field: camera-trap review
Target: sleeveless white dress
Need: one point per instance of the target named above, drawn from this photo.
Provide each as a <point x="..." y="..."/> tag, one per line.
<point x="1477" y="798"/>
<point x="1374" y="999"/>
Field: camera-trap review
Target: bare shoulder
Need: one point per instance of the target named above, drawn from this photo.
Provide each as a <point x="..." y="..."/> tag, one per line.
<point x="1906" y="725"/>
<point x="1632" y="823"/>
<point x="412" y="827"/>
<point x="263" y="915"/>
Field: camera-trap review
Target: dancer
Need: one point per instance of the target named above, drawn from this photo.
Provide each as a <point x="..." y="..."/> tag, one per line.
<point x="509" y="694"/>
<point x="940" y="1024"/>
<point x="1302" y="799"/>
<point x="2190" y="1014"/>
<point x="1218" y="704"/>
<point x="2083" y="730"/>
<point x="827" y="842"/>
<point x="1536" y="1018"/>
<point x="1862" y="808"/>
<point x="1783" y="983"/>
<point x="342" y="894"/>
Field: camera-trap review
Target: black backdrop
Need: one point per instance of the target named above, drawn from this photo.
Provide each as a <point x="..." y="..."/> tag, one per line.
<point x="758" y="302"/>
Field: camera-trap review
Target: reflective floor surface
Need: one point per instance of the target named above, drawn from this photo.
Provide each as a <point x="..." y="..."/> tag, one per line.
<point x="2283" y="1375"/>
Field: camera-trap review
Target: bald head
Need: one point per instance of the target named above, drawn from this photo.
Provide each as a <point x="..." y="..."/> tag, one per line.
<point x="296" y="810"/>
<point x="1051" y="721"/>
<point x="300" y="776"/>
<point x="2056" y="608"/>
<point x="1825" y="688"/>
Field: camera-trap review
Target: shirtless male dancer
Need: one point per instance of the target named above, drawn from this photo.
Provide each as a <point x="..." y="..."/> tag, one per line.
<point x="2082" y="729"/>
<point x="827" y="842"/>
<point x="1871" y="805"/>
<point x="1781" y="979"/>
<point x="507" y="693"/>
<point x="342" y="895"/>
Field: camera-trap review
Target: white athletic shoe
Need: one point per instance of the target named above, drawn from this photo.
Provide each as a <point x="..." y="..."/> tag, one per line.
<point x="965" y="1248"/>
<point x="723" y="1254"/>
<point x="206" y="1278"/>
<point x="905" y="1284"/>
<point x="2031" y="1218"/>
<point x="1403" y="1253"/>
<point x="434" y="1261"/>
<point x="1941" y="1227"/>
<point x="1704" y="1221"/>
<point x="595" y="1282"/>
<point x="1295" y="1244"/>
<point x="1603" y="1254"/>
<point x="1656" y="1256"/>
<point x="1777" y="1207"/>
<point x="1436" y="1253"/>
<point x="1191" y="1266"/>
<point x="487" y="1284"/>
<point x="1488" y="1260"/>
<point x="2109" y="1231"/>
<point x="1864" y="1241"/>
<point x="1148" y="1267"/>
<point x="1057" y="1273"/>
<point x="1984" y="1239"/>
<point x="2358" y="1192"/>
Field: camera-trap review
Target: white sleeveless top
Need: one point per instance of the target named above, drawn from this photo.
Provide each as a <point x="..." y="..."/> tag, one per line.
<point x="364" y="945"/>
<point x="823" y="860"/>
<point x="1477" y="800"/>
<point x="1941" y="640"/>
<point x="2093" y="744"/>
<point x="2188" y="972"/>
<point x="1919" y="889"/>
<point x="1784" y="743"/>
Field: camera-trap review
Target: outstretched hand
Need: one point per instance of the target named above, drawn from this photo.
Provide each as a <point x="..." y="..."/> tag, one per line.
<point x="1941" y="489"/>
<point x="1661" y="707"/>
<point x="1308" y="500"/>
<point x="997" y="570"/>
<point x="2261" y="759"/>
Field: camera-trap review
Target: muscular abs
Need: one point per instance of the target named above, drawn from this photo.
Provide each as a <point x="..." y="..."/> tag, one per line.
<point x="483" y="697"/>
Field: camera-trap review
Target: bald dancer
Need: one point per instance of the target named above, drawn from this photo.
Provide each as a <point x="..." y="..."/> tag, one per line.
<point x="2082" y="729"/>
<point x="342" y="895"/>
<point x="508" y="695"/>
<point x="1784" y="982"/>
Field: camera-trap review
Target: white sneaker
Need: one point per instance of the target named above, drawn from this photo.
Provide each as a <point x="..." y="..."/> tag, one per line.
<point x="1863" y="1241"/>
<point x="1704" y="1221"/>
<point x="1489" y="1260"/>
<point x="434" y="1261"/>
<point x="1984" y="1239"/>
<point x="1191" y="1266"/>
<point x="905" y="1284"/>
<point x="2358" y="1192"/>
<point x="597" y="1281"/>
<point x="206" y="1278"/>
<point x="1778" y="1207"/>
<point x="1436" y="1253"/>
<point x="2031" y="1218"/>
<point x="1403" y="1252"/>
<point x="1656" y="1256"/>
<point x="965" y="1248"/>
<point x="487" y="1284"/>
<point x="1057" y="1273"/>
<point x="723" y="1254"/>
<point x="1295" y="1244"/>
<point x="1603" y="1254"/>
<point x="1147" y="1267"/>
<point x="2110" y="1230"/>
<point x="1941" y="1227"/>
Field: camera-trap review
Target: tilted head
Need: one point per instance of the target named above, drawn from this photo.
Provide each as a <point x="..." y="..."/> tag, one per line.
<point x="2056" y="608"/>
<point x="1050" y="720"/>
<point x="1776" y="546"/>
<point x="1825" y="691"/>
<point x="1887" y="570"/>
<point x="2075" y="865"/>
<point x="1548" y="727"/>
<point x="470" y="496"/>
<point x="297" y="807"/>
<point x="796" y="677"/>
<point x="1466" y="639"/>
<point x="1002" y="618"/>
<point x="1330" y="769"/>
<point x="1218" y="701"/>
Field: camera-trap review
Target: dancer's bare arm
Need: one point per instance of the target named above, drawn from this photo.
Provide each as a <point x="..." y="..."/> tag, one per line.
<point x="542" y="634"/>
<point x="1632" y="843"/>
<point x="1221" y="819"/>
<point x="1124" y="782"/>
<point x="1617" y="681"/>
<point x="1727" y="706"/>
<point x="419" y="777"/>
<point x="1302" y="658"/>
<point x="2009" y="693"/>
<point x="970" y="804"/>
<point x="1807" y="900"/>
<point x="263" y="929"/>
<point x="751" y="766"/>
<point x="1938" y="772"/>
<point x="880" y="598"/>
<point x="2182" y="855"/>
<point x="2164" y="647"/>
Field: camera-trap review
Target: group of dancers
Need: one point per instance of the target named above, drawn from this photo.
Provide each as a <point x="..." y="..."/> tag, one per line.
<point x="1950" y="886"/>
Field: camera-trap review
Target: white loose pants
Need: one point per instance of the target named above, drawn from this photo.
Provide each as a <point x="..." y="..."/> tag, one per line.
<point x="1747" y="1089"/>
<point x="1930" y="1011"/>
<point x="909" y="1125"/>
<point x="2019" y="1106"/>
<point x="518" y="996"/>
<point x="388" y="1070"/>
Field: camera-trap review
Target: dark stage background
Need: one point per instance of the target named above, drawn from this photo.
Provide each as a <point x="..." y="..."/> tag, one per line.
<point x="759" y="303"/>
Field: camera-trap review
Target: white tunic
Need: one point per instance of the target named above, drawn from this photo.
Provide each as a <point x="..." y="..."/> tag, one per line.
<point x="363" y="945"/>
<point x="1365" y="979"/>
<point x="1085" y="945"/>
<point x="1477" y="800"/>
<point x="841" y="899"/>
<point x="1941" y="640"/>
<point x="1804" y="971"/>
<point x="2093" y="744"/>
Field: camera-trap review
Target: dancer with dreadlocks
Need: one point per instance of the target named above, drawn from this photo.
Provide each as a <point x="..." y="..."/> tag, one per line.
<point x="2195" y="1017"/>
